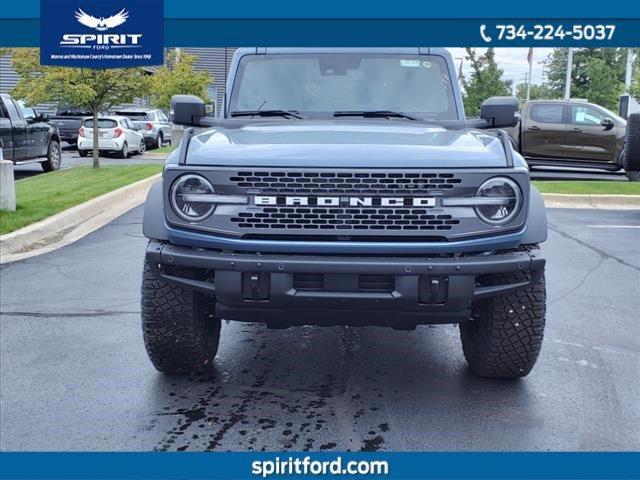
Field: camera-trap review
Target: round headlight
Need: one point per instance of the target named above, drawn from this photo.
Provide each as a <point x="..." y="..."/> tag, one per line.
<point x="503" y="203"/>
<point x="184" y="197"/>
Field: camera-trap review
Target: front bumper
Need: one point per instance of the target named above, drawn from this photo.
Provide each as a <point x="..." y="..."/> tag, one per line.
<point x="285" y="290"/>
<point x="110" y="145"/>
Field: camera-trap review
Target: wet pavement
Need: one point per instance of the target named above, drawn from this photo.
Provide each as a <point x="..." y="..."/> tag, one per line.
<point x="74" y="374"/>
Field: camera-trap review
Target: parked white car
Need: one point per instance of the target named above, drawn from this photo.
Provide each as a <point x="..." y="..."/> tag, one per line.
<point x="115" y="134"/>
<point x="156" y="127"/>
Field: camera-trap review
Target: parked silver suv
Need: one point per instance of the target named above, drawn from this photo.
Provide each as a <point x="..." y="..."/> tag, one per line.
<point x="156" y="127"/>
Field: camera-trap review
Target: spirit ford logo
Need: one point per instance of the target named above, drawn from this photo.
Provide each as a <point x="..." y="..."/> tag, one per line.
<point x="101" y="40"/>
<point x="346" y="201"/>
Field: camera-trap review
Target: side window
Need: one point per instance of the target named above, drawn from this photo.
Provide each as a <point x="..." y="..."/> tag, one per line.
<point x="126" y="123"/>
<point x="12" y="110"/>
<point x="163" y="117"/>
<point x="584" y="115"/>
<point x="3" y="114"/>
<point x="27" y="112"/>
<point x="151" y="116"/>
<point x="547" y="112"/>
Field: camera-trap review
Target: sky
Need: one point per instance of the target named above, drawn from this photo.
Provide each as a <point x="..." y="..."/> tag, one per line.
<point x="512" y="60"/>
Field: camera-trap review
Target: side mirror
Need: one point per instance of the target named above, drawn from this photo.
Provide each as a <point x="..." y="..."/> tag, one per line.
<point x="500" y="112"/>
<point x="607" y="123"/>
<point x="44" y="117"/>
<point x="187" y="110"/>
<point x="137" y="127"/>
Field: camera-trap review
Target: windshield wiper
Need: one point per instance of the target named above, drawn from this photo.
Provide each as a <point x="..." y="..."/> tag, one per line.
<point x="373" y="114"/>
<point x="267" y="113"/>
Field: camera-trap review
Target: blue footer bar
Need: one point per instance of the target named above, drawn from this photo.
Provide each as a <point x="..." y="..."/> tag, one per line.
<point x="183" y="465"/>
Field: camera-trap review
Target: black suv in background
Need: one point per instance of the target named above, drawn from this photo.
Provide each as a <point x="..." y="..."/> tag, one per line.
<point x="27" y="136"/>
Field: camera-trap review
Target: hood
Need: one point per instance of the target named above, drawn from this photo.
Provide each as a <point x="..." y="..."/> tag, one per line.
<point x="365" y="143"/>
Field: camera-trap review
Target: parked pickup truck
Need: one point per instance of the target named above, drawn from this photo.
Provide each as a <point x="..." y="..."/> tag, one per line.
<point x="27" y="136"/>
<point x="345" y="187"/>
<point x="69" y="119"/>
<point x="572" y="133"/>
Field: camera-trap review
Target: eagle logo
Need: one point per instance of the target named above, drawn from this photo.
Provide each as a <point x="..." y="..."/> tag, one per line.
<point x="101" y="24"/>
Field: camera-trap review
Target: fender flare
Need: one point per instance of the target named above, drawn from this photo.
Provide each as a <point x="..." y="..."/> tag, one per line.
<point x="153" y="226"/>
<point x="536" y="220"/>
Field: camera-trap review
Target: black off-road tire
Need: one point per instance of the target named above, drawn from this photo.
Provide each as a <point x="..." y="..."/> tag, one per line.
<point x="504" y="337"/>
<point x="54" y="157"/>
<point x="181" y="333"/>
<point x="633" y="176"/>
<point x="632" y="144"/>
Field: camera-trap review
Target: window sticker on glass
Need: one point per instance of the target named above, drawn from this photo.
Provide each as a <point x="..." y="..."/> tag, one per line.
<point x="426" y="64"/>
<point x="410" y="63"/>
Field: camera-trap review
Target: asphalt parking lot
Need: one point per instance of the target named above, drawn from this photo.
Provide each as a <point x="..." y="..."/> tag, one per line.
<point x="74" y="374"/>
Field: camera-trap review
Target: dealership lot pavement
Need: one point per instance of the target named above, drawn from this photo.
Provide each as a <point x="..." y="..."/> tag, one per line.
<point x="74" y="374"/>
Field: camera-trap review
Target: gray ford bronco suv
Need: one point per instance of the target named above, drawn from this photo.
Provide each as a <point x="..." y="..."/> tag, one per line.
<point x="345" y="187"/>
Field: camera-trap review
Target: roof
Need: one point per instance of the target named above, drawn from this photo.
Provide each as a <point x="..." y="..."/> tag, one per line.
<point x="398" y="50"/>
<point x="136" y="109"/>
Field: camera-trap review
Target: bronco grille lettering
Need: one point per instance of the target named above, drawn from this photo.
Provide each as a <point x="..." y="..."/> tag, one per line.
<point x="350" y="201"/>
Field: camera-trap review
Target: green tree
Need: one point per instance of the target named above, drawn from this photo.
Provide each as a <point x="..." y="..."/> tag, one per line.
<point x="177" y="76"/>
<point x="597" y="74"/>
<point x="484" y="81"/>
<point x="538" y="92"/>
<point x="95" y="90"/>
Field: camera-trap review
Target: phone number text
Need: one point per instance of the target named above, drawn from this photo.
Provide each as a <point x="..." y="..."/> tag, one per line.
<point x="554" y="32"/>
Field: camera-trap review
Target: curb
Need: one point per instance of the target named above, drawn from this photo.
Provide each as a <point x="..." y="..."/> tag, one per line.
<point x="74" y="223"/>
<point x="611" y="202"/>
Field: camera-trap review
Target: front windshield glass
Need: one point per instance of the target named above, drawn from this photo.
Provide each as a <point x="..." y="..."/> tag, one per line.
<point x="320" y="84"/>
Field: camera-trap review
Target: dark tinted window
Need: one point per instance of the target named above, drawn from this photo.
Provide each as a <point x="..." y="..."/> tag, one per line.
<point x="102" y="123"/>
<point x="547" y="113"/>
<point x="3" y="114"/>
<point x="72" y="111"/>
<point x="134" y="115"/>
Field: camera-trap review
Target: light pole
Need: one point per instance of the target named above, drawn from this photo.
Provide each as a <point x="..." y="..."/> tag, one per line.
<point x="567" y="83"/>
<point x="628" y="71"/>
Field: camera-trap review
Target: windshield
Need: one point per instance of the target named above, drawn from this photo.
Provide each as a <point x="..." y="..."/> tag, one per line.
<point x="73" y="111"/>
<point x="321" y="84"/>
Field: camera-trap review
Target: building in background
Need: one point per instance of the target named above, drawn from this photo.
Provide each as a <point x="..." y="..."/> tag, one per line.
<point x="215" y="61"/>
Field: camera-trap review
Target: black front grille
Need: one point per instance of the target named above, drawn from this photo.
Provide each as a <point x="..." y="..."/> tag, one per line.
<point x="324" y="183"/>
<point x="315" y="282"/>
<point x="376" y="283"/>
<point x="308" y="282"/>
<point x="365" y="218"/>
